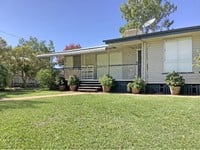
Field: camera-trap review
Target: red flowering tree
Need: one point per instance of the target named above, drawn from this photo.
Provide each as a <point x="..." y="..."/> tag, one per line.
<point x="72" y="46"/>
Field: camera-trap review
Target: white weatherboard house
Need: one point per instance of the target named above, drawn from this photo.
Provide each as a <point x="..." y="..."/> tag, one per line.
<point x="150" y="56"/>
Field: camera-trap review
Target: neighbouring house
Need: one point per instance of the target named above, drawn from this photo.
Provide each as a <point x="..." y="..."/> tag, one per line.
<point x="150" y="56"/>
<point x="17" y="81"/>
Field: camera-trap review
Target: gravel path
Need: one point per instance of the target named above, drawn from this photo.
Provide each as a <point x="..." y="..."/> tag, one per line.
<point x="41" y="96"/>
<point x="81" y="93"/>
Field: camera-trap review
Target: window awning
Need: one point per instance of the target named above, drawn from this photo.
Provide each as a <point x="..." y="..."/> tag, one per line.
<point x="75" y="51"/>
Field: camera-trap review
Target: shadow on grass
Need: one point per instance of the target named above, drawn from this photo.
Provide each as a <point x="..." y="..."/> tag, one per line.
<point x="20" y="104"/>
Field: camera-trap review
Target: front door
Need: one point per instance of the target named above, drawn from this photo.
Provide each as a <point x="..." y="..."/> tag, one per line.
<point x="139" y="62"/>
<point x="87" y="66"/>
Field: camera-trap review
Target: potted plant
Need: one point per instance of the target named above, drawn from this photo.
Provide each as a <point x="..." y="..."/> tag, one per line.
<point x="174" y="81"/>
<point x="106" y="82"/>
<point x="62" y="83"/>
<point x="73" y="82"/>
<point x="136" y="86"/>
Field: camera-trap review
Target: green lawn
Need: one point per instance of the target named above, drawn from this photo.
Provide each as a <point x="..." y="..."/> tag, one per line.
<point x="26" y="93"/>
<point x="102" y="121"/>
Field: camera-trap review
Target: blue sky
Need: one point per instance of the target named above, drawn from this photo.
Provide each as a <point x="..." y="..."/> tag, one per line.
<point x="87" y="22"/>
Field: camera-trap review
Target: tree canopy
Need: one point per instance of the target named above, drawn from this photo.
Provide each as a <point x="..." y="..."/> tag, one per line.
<point x="137" y="12"/>
<point x="72" y="46"/>
<point x="3" y="43"/>
<point x="22" y="59"/>
<point x="4" y="76"/>
<point x="4" y="50"/>
<point x="36" y="45"/>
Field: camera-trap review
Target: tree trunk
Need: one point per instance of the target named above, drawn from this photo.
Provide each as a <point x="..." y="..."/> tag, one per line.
<point x="23" y="79"/>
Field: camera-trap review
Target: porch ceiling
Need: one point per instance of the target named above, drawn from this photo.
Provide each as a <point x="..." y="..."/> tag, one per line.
<point x="130" y="44"/>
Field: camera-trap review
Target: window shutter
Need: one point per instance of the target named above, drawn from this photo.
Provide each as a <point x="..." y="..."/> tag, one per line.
<point x="178" y="55"/>
<point x="171" y="55"/>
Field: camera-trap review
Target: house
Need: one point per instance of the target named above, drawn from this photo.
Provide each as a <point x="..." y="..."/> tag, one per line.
<point x="17" y="81"/>
<point x="150" y="56"/>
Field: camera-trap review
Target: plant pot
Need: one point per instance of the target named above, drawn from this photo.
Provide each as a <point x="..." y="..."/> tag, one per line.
<point x="175" y="90"/>
<point x="106" y="88"/>
<point x="135" y="91"/>
<point x="73" y="87"/>
<point x="61" y="87"/>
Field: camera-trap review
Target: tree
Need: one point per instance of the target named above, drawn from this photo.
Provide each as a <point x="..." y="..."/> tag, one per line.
<point x="72" y="46"/>
<point x="137" y="12"/>
<point x="23" y="58"/>
<point x="23" y="61"/>
<point x="36" y="45"/>
<point x="4" y="76"/>
<point x="3" y="43"/>
<point x="39" y="47"/>
<point x="4" y="50"/>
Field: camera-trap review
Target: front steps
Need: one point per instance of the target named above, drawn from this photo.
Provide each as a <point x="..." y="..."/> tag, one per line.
<point x="89" y="86"/>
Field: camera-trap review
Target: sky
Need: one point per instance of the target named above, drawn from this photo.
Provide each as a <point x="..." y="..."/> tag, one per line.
<point x="84" y="22"/>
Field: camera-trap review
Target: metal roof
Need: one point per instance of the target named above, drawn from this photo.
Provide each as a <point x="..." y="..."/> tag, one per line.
<point x="76" y="51"/>
<point x="102" y="48"/>
<point x="154" y="34"/>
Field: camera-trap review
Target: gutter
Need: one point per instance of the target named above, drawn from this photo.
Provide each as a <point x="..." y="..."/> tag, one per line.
<point x="75" y="51"/>
<point x="154" y="34"/>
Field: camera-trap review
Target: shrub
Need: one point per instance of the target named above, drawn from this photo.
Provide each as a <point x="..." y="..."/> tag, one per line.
<point x="174" y="79"/>
<point x="138" y="83"/>
<point x="46" y="78"/>
<point x="106" y="80"/>
<point x="73" y="80"/>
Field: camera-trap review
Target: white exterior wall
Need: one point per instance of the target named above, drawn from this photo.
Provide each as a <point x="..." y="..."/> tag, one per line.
<point x="155" y="59"/>
<point x="194" y="77"/>
<point x="155" y="62"/>
<point x="69" y="61"/>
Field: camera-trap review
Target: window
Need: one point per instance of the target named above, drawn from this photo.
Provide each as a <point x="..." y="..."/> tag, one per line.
<point x="178" y="55"/>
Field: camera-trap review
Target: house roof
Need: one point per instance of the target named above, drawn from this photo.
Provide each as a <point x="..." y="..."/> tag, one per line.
<point x="102" y="48"/>
<point x="76" y="51"/>
<point x="154" y="34"/>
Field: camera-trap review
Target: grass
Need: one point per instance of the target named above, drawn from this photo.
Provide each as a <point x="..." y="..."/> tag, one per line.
<point x="26" y="93"/>
<point x="106" y="121"/>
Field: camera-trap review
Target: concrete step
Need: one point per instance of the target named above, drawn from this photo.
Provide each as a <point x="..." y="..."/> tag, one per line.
<point x="87" y="90"/>
<point x="89" y="86"/>
<point x="90" y="82"/>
